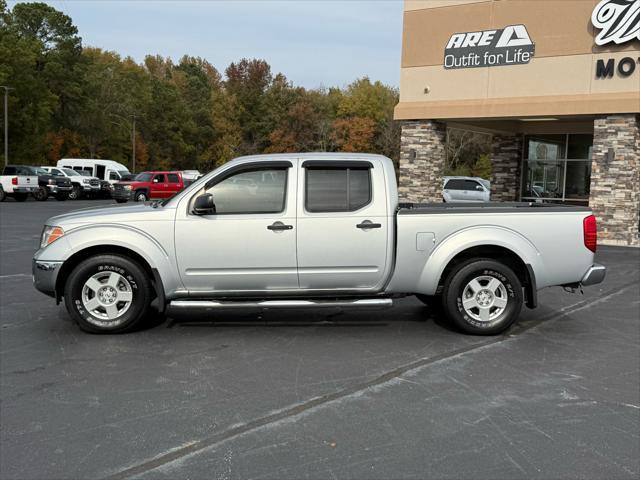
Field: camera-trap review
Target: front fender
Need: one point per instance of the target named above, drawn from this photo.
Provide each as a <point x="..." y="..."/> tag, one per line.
<point x="120" y="235"/>
<point x="470" y="237"/>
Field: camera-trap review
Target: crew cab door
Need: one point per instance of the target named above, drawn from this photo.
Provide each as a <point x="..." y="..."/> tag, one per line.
<point x="343" y="225"/>
<point x="175" y="184"/>
<point x="159" y="186"/>
<point x="249" y="243"/>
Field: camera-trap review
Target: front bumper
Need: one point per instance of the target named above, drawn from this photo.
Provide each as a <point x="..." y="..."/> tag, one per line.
<point x="57" y="188"/>
<point x="594" y="275"/>
<point x="122" y="194"/>
<point x="45" y="275"/>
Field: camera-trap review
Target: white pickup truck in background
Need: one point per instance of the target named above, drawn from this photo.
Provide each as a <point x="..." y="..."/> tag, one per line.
<point x="16" y="185"/>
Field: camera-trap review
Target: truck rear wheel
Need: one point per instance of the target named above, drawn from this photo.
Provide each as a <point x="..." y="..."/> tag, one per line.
<point x="482" y="297"/>
<point x="107" y="294"/>
<point x="3" y="195"/>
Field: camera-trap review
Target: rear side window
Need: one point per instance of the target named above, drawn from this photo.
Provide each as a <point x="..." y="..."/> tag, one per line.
<point x="455" y="184"/>
<point x="9" y="171"/>
<point x="173" y="178"/>
<point x="337" y="189"/>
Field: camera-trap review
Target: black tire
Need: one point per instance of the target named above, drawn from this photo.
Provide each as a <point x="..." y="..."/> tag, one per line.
<point x="75" y="193"/>
<point x="121" y="200"/>
<point x="141" y="196"/>
<point x="138" y="284"/>
<point x="496" y="318"/>
<point x="20" y="197"/>
<point x="62" y="196"/>
<point x="42" y="194"/>
<point x="3" y="196"/>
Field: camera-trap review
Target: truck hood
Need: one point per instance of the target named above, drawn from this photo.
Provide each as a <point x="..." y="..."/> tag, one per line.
<point x="112" y="214"/>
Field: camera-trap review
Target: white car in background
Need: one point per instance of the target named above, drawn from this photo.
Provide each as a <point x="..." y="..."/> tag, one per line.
<point x="466" y="189"/>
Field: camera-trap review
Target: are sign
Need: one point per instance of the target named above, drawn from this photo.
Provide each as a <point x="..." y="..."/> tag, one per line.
<point x="511" y="45"/>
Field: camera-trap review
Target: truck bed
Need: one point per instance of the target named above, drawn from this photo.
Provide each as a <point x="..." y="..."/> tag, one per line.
<point x="488" y="207"/>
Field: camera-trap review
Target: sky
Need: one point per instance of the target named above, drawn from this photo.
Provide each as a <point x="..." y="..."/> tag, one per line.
<point x="314" y="43"/>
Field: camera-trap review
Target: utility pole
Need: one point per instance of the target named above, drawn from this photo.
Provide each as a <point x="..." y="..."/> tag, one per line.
<point x="133" y="143"/>
<point x="6" y="123"/>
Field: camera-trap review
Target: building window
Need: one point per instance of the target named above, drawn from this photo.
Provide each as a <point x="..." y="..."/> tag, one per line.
<point x="557" y="168"/>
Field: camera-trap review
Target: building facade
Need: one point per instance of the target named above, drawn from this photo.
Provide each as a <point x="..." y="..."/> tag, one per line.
<point x="555" y="82"/>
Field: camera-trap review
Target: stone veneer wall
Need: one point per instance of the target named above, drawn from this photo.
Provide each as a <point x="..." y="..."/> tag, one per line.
<point x="506" y="157"/>
<point x="421" y="177"/>
<point x="615" y="182"/>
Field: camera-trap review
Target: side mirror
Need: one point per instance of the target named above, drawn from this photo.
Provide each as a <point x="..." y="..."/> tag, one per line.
<point x="155" y="180"/>
<point x="204" y="205"/>
<point x="479" y="187"/>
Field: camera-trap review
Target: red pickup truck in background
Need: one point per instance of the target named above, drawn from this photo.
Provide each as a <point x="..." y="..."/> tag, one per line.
<point x="148" y="185"/>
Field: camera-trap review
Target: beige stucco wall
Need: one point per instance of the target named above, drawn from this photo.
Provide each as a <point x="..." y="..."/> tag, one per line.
<point x="560" y="79"/>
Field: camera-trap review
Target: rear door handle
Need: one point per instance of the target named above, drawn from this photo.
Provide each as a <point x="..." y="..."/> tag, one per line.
<point x="367" y="224"/>
<point x="278" y="226"/>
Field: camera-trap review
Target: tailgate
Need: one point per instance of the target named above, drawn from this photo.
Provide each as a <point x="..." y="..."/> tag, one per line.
<point x="27" y="181"/>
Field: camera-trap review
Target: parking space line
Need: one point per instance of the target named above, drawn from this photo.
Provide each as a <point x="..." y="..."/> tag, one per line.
<point x="198" y="446"/>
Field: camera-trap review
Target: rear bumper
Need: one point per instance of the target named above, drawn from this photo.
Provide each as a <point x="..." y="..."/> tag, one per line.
<point x="594" y="275"/>
<point x="24" y="189"/>
<point x="45" y="275"/>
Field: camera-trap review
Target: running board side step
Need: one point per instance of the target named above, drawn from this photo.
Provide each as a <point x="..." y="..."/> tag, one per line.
<point x="362" y="303"/>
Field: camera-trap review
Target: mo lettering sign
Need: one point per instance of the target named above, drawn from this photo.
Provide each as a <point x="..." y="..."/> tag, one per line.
<point x="511" y="45"/>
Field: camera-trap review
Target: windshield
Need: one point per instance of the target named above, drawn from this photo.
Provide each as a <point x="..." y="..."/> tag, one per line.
<point x="122" y="173"/>
<point x="70" y="172"/>
<point x="84" y="173"/>
<point x="143" y="177"/>
<point x="40" y="171"/>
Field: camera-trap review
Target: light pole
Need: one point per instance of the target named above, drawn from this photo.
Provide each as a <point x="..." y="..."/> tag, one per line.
<point x="133" y="136"/>
<point x="6" y="123"/>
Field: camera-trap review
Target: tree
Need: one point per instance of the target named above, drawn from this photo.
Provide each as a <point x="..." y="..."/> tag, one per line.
<point x="355" y="134"/>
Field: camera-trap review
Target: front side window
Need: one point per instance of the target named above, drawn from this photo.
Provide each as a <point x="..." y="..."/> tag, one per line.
<point x="159" y="178"/>
<point x="113" y="176"/>
<point x="337" y="189"/>
<point x="251" y="191"/>
<point x="472" y="185"/>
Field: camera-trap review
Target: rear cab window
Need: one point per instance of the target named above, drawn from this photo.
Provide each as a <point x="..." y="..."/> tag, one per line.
<point x="335" y="188"/>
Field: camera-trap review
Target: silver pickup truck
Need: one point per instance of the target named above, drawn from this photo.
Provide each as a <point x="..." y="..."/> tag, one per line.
<point x="311" y="230"/>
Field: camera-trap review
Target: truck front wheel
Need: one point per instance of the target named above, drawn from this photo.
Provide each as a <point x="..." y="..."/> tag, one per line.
<point x="75" y="192"/>
<point x="482" y="297"/>
<point x="107" y="294"/>
<point x="42" y="194"/>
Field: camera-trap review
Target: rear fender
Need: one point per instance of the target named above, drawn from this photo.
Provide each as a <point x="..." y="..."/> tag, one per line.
<point x="462" y="240"/>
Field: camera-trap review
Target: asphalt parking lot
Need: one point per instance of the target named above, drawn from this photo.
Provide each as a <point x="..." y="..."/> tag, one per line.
<point x="389" y="394"/>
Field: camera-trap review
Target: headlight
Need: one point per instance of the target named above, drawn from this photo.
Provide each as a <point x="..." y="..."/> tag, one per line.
<point x="86" y="180"/>
<point x="50" y="234"/>
<point x="127" y="187"/>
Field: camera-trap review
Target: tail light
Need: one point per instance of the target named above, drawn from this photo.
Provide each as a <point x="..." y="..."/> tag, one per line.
<point x="590" y="231"/>
<point x="14" y="181"/>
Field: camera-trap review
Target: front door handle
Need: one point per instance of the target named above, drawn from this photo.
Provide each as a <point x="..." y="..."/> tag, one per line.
<point x="278" y="226"/>
<point x="367" y="224"/>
